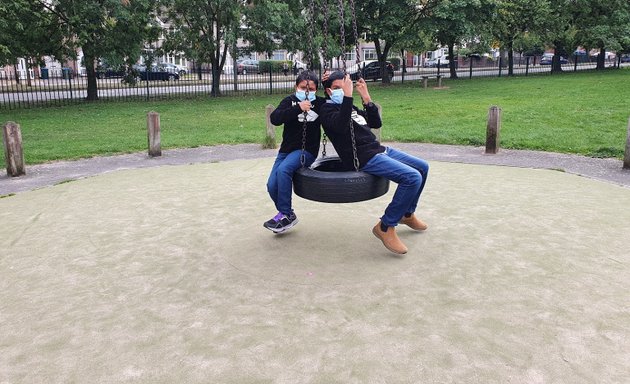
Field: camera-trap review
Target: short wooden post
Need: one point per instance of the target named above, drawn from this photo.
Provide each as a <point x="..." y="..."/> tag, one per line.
<point x="439" y="79"/>
<point x="153" y="134"/>
<point x="493" y="129"/>
<point x="270" y="137"/>
<point x="425" y="81"/>
<point x="626" y="157"/>
<point x="13" y="153"/>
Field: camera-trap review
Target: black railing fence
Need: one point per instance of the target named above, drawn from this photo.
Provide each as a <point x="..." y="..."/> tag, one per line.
<point x="63" y="87"/>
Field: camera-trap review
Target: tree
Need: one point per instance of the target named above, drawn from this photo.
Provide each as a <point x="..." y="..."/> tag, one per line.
<point x="27" y="31"/>
<point x="390" y="24"/>
<point x="455" y="21"/>
<point x="204" y="30"/>
<point x="101" y="28"/>
<point x="559" y="31"/>
<point x="603" y="24"/>
<point x="513" y="20"/>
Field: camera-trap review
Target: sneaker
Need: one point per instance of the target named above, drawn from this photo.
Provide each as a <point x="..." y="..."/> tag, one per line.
<point x="281" y="222"/>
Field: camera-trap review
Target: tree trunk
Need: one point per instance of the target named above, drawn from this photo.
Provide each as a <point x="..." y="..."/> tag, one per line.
<point x="510" y="58"/>
<point x="29" y="65"/>
<point x="382" y="60"/>
<point x="452" y="60"/>
<point x="601" y="64"/>
<point x="92" y="87"/>
<point x="15" y="73"/>
<point x="404" y="60"/>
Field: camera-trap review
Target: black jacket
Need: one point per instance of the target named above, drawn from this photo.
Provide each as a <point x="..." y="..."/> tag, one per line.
<point x="290" y="114"/>
<point x="336" y="123"/>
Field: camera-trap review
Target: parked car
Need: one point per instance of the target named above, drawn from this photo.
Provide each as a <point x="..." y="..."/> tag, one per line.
<point x="156" y="73"/>
<point x="172" y="68"/>
<point x="547" y="58"/>
<point x="246" y="66"/>
<point x="107" y="73"/>
<point x="371" y="70"/>
<point x="625" y="58"/>
<point x="300" y="66"/>
<point x="433" y="63"/>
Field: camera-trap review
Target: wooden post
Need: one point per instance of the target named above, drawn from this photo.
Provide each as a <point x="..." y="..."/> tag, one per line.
<point x="153" y="134"/>
<point x="270" y="137"/>
<point x="493" y="129"/>
<point x="425" y="81"/>
<point x="439" y="79"/>
<point x="13" y="153"/>
<point x="626" y="157"/>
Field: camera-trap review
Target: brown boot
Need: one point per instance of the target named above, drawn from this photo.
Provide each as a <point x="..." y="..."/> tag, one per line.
<point x="390" y="239"/>
<point x="414" y="223"/>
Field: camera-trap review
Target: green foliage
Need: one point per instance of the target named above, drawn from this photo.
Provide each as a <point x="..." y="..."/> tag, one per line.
<point x="275" y="66"/>
<point x="583" y="113"/>
<point x="28" y="30"/>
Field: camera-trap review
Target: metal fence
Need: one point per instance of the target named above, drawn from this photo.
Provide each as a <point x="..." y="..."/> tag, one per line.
<point x="63" y="87"/>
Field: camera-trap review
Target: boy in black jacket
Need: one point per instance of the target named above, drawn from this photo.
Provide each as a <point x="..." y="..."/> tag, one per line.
<point x="296" y="147"/>
<point x="409" y="172"/>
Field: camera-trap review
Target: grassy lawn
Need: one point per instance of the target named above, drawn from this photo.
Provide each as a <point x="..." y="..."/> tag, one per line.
<point x="581" y="113"/>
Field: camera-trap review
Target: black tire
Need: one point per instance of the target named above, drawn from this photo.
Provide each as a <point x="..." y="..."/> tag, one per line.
<point x="326" y="181"/>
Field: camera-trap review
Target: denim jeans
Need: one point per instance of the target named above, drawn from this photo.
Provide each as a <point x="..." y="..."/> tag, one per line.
<point x="409" y="172"/>
<point x="280" y="182"/>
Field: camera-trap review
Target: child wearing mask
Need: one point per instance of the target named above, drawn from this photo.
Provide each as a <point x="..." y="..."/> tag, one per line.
<point x="297" y="149"/>
<point x="409" y="172"/>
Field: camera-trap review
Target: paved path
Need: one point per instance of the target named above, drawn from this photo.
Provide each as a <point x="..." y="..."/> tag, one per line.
<point x="38" y="176"/>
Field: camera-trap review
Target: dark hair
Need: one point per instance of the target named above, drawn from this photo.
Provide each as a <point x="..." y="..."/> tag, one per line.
<point x="336" y="75"/>
<point x="307" y="76"/>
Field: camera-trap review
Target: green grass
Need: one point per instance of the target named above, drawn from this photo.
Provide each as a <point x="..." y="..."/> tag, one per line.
<point x="580" y="113"/>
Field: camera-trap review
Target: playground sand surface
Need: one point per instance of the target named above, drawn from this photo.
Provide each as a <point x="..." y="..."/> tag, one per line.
<point x="166" y="275"/>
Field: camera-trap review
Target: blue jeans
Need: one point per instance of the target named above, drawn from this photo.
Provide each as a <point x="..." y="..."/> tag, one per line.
<point x="409" y="172"/>
<point x="280" y="182"/>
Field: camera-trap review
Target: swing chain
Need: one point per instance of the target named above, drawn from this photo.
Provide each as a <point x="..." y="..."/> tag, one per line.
<point x="324" y="142"/>
<point x="302" y="154"/>
<point x="356" y="39"/>
<point x="355" y="159"/>
<point x="311" y="16"/>
<point x="342" y="32"/>
<point x="325" y="34"/>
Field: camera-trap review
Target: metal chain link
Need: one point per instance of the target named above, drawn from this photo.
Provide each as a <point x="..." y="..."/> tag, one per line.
<point x="311" y="16"/>
<point x="325" y="34"/>
<point x="342" y="32"/>
<point x="355" y="159"/>
<point x="302" y="154"/>
<point x="309" y="59"/>
<point x="356" y="38"/>
<point x="324" y="142"/>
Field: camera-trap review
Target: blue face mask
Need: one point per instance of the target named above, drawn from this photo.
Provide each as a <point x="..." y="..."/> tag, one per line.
<point x="337" y="96"/>
<point x="301" y="95"/>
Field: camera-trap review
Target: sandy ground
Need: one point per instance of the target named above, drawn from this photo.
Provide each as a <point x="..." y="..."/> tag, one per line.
<point x="164" y="274"/>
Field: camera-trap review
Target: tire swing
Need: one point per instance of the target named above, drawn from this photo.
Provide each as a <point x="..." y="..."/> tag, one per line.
<point x="326" y="180"/>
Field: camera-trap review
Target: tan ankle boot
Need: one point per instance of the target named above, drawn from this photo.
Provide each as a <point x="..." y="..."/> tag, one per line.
<point x="390" y="239"/>
<point x="414" y="223"/>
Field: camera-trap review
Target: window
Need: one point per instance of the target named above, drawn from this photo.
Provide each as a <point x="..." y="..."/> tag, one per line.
<point x="351" y="56"/>
<point x="279" y="55"/>
<point x="369" y="54"/>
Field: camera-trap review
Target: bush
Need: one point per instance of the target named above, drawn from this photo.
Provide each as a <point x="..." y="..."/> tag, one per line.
<point x="274" y="66"/>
